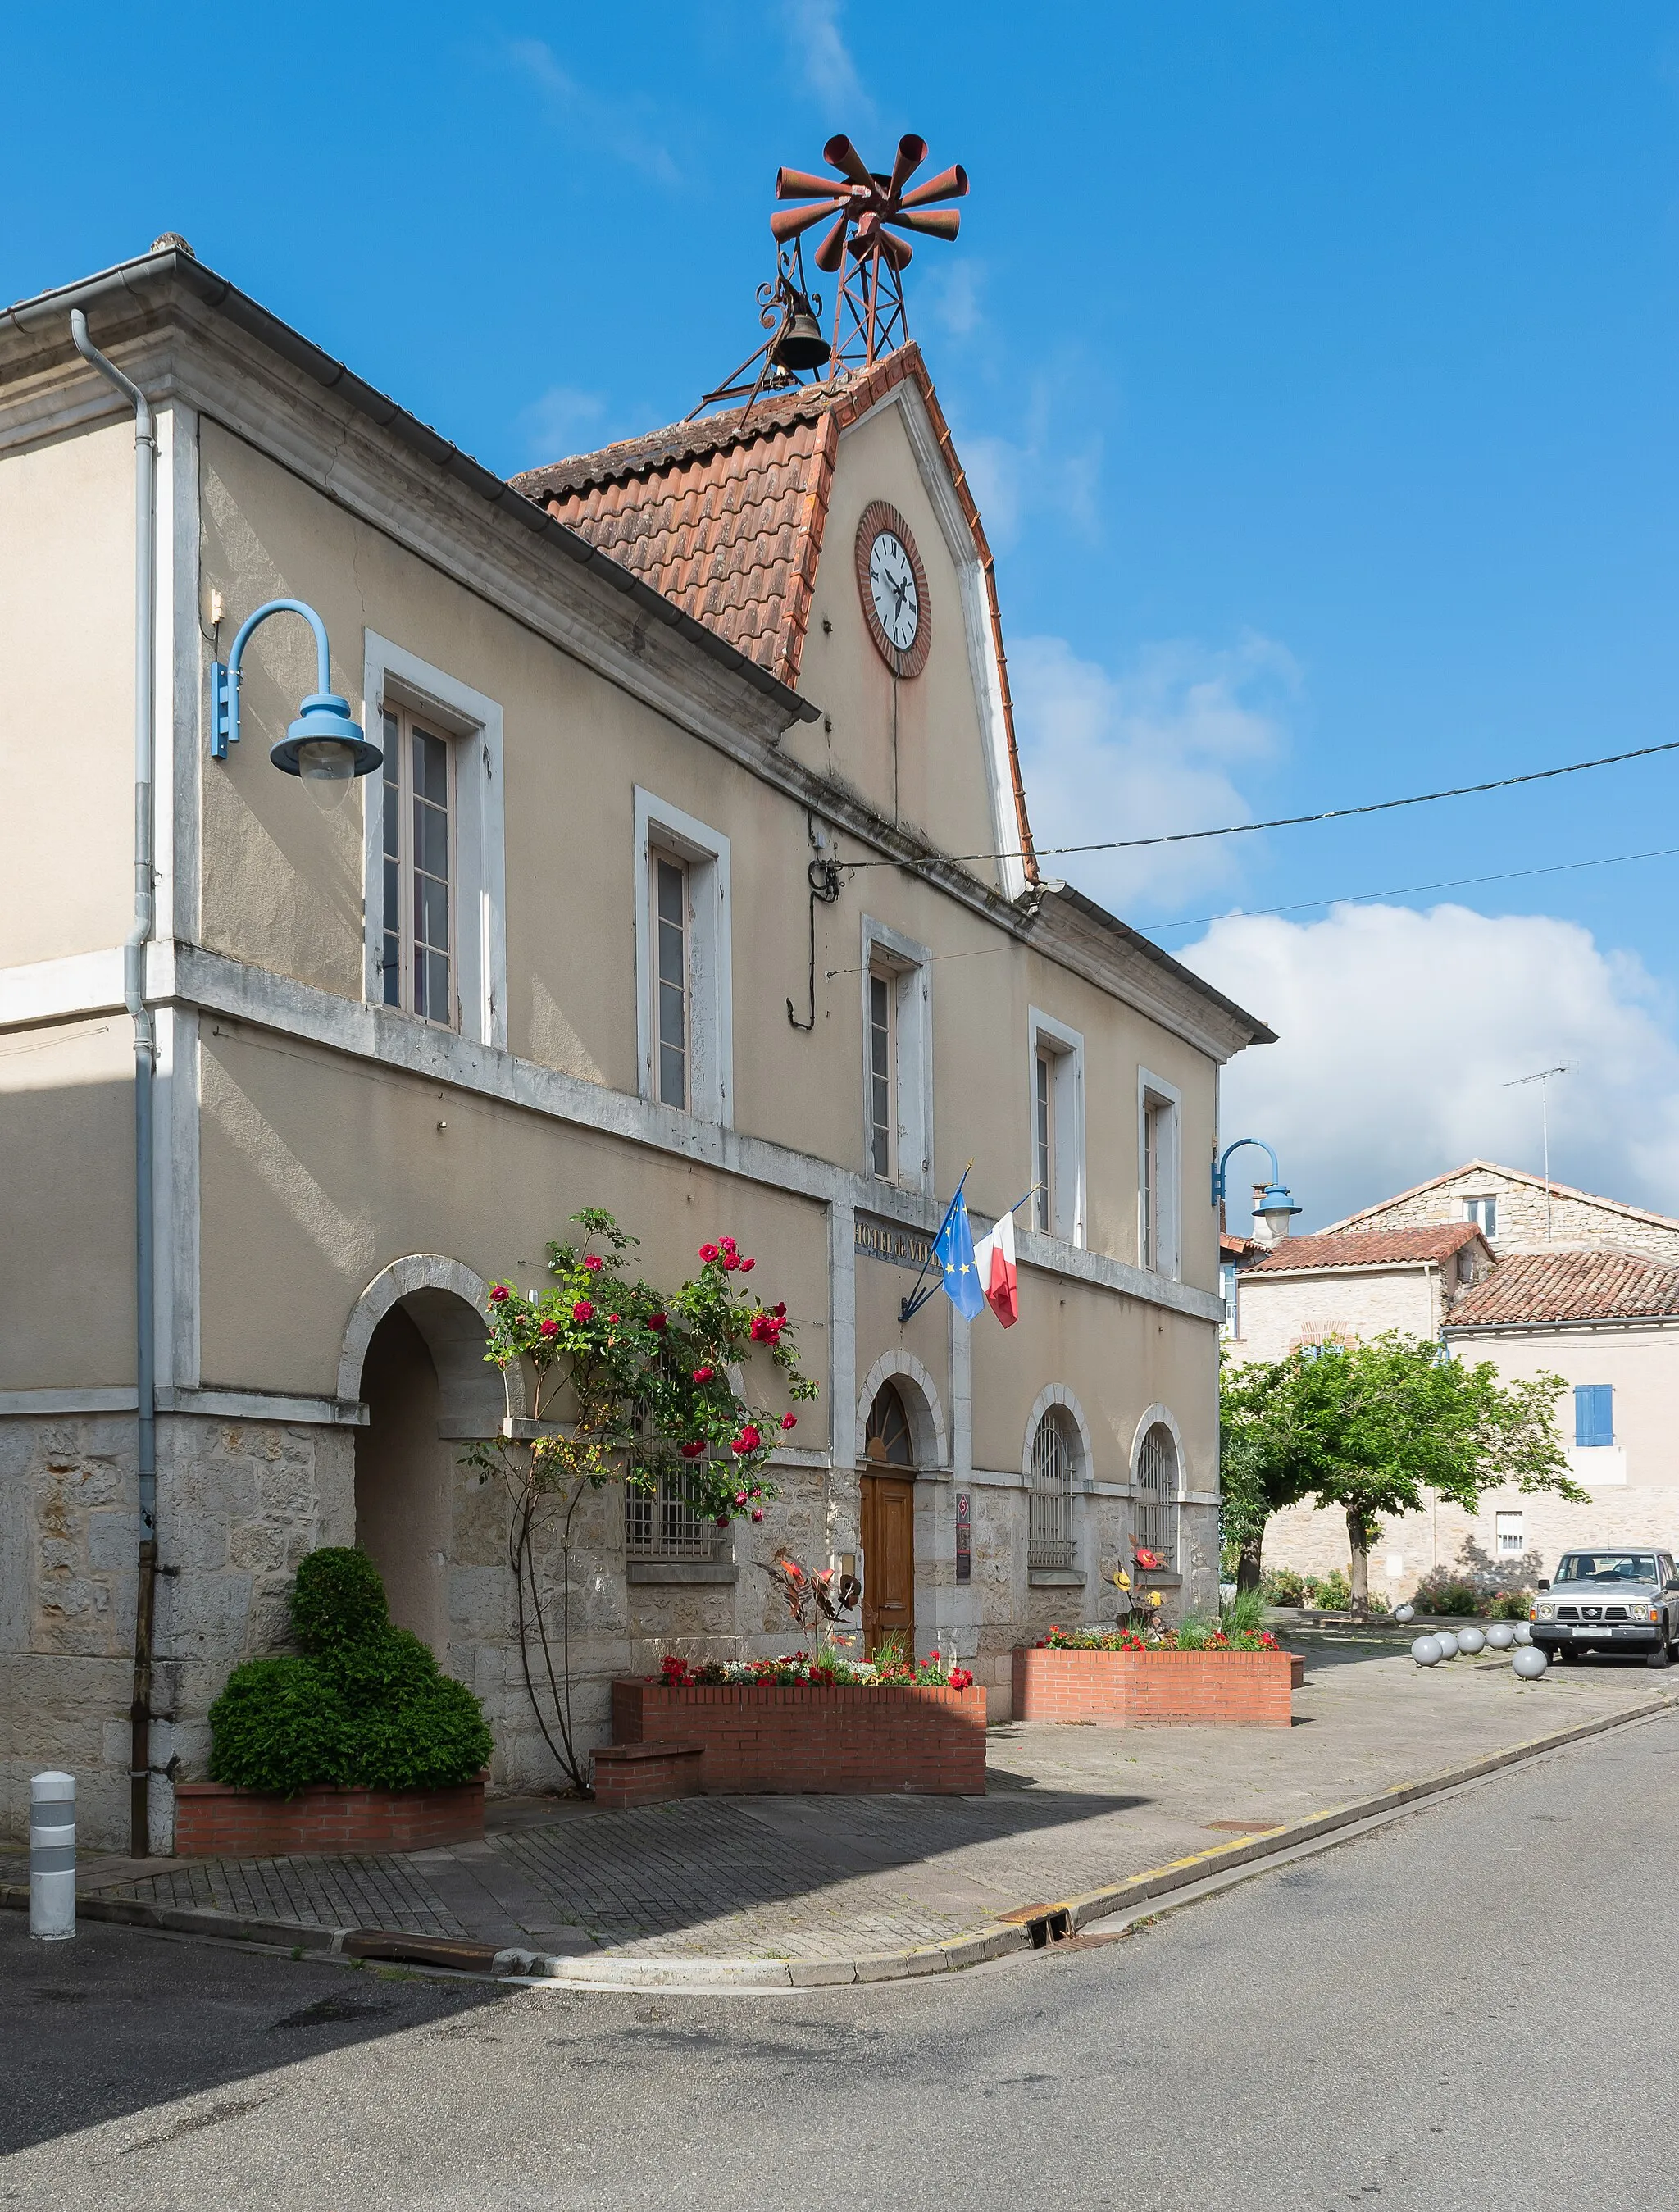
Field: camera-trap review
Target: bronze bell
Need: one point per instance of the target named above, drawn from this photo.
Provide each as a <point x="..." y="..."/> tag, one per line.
<point x="799" y="343"/>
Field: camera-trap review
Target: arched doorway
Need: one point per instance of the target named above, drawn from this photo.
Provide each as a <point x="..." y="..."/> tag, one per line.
<point x="413" y="1353"/>
<point x="888" y="1524"/>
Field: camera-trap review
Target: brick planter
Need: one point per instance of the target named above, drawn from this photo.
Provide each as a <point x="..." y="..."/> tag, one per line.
<point x="1154" y="1689"/>
<point x="843" y="1741"/>
<point x="213" y="1820"/>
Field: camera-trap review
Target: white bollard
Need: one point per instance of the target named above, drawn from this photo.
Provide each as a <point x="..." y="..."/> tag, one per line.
<point x="53" y="1857"/>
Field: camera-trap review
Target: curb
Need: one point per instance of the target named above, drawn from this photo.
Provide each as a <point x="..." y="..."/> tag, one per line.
<point x="1029" y="1927"/>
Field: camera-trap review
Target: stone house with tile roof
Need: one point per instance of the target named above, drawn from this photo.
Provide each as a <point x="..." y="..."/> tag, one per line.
<point x="1463" y="1258"/>
<point x="696" y="881"/>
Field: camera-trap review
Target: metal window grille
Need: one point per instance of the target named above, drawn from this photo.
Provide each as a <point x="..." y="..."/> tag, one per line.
<point x="1510" y="1534"/>
<point x="659" y="1520"/>
<point x="1055" y="1471"/>
<point x="1156" y="1494"/>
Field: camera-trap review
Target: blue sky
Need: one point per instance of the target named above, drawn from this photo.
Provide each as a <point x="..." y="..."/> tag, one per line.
<point x="1316" y="366"/>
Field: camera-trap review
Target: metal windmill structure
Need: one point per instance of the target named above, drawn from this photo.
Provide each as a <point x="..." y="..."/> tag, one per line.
<point x="865" y="210"/>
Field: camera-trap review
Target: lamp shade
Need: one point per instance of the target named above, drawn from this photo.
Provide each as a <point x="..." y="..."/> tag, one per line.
<point x="325" y="721"/>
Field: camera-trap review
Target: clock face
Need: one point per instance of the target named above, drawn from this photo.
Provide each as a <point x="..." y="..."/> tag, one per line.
<point x="892" y="583"/>
<point x="892" y="587"/>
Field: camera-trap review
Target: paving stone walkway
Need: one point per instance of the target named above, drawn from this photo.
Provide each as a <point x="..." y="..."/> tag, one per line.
<point x="1068" y="1809"/>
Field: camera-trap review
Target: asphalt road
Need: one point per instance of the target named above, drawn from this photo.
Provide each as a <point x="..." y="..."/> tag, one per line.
<point x="1474" y="2005"/>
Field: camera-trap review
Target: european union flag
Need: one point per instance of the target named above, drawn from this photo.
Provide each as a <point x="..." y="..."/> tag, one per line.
<point x="954" y="1249"/>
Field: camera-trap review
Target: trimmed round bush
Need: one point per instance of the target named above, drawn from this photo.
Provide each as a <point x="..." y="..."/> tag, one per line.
<point x="366" y="1706"/>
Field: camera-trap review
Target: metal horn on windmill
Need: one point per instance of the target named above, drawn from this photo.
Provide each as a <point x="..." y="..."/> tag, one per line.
<point x="800" y="184"/>
<point x="790" y="223"/>
<point x="934" y="223"/>
<point x="831" y="251"/>
<point x="871" y="239"/>
<point x="841" y="153"/>
<point x="911" y="153"/>
<point x="949" y="184"/>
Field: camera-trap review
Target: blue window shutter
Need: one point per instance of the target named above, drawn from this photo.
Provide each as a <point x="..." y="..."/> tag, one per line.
<point x="1594" y="1413"/>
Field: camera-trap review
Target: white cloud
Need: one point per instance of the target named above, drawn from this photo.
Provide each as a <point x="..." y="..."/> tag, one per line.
<point x="1036" y="472"/>
<point x="1154" y="749"/>
<point x="951" y="293"/>
<point x="562" y="422"/>
<point x="819" y="52"/>
<point x="1399" y="1031"/>
<point x="614" y="128"/>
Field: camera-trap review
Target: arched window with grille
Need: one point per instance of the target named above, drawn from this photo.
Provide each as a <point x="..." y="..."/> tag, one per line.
<point x="1156" y="1494"/>
<point x="887" y="1441"/>
<point x="1057" y="1453"/>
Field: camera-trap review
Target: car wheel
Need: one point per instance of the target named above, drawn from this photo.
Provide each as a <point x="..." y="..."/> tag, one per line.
<point x="1659" y="1657"/>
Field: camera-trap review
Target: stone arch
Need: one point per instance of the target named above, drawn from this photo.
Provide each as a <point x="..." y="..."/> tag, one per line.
<point x="450" y="1307"/>
<point x="921" y="1403"/>
<point x="1168" y="1421"/>
<point x="1057" y="1394"/>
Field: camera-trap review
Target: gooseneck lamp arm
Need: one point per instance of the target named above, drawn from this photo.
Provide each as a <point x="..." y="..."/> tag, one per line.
<point x="1223" y="1162"/>
<point x="324" y="715"/>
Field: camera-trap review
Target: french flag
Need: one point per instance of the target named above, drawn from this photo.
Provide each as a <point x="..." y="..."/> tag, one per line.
<point x="993" y="1262"/>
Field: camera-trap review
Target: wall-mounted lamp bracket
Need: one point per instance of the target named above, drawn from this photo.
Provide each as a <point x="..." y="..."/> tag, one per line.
<point x="324" y="717"/>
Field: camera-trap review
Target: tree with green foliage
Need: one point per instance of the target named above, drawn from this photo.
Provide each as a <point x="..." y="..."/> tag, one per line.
<point x="1371" y="1428"/>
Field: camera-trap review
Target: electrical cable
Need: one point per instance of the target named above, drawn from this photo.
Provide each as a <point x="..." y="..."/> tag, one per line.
<point x="1405" y="890"/>
<point x="1289" y="820"/>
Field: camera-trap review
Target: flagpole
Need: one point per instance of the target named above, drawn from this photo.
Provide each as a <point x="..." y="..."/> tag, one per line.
<point x="907" y="1308"/>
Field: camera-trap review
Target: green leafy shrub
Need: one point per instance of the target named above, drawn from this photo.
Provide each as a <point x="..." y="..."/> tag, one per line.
<point x="1283" y="1586"/>
<point x="1246" y="1611"/>
<point x="367" y="1705"/>
<point x="1511" y="1605"/>
<point x="1330" y="1593"/>
<point x="1443" y="1593"/>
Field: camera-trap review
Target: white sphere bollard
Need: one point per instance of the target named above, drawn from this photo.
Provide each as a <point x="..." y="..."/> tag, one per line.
<point x="1523" y="1633"/>
<point x="1404" y="1613"/>
<point x="1447" y="1642"/>
<point x="1425" y="1651"/>
<point x="1472" y="1640"/>
<point x="1529" y="1661"/>
<point x="53" y="1857"/>
<point x="1501" y="1635"/>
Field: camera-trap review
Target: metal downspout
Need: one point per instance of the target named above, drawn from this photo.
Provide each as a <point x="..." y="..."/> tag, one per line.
<point x="145" y="1065"/>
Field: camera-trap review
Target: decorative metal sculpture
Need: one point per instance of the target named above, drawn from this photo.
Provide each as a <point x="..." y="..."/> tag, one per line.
<point x="861" y="247"/>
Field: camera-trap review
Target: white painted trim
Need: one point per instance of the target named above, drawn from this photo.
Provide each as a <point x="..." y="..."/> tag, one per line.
<point x="264" y="1405"/>
<point x="1066" y="1102"/>
<point x="212" y="983"/>
<point x="911" y="964"/>
<point x="427" y="1284"/>
<point x="1154" y="1089"/>
<point x="117" y="1399"/>
<point x="933" y="1442"/>
<point x="711" y="978"/>
<point x="982" y="642"/>
<point x="474" y="721"/>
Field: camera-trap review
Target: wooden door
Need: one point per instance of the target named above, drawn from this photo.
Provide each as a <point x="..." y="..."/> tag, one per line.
<point x="889" y="1561"/>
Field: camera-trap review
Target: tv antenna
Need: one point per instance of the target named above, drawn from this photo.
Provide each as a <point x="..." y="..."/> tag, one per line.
<point x="1543" y="1079"/>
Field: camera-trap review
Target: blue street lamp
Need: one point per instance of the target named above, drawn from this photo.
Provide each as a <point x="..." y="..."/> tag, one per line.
<point x="323" y="747"/>
<point x="1275" y="1205"/>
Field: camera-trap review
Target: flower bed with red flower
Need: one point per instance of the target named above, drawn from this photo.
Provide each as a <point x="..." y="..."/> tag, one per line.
<point x="1191" y="1637"/>
<point x="798" y="1670"/>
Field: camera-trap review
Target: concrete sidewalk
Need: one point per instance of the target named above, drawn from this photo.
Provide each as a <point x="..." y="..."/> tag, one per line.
<point x="1071" y="1811"/>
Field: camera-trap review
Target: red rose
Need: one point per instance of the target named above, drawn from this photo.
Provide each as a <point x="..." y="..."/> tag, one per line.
<point x="740" y="1498"/>
<point x="704" y="1374"/>
<point x="692" y="1450"/>
<point x="722" y="1520"/>
<point x="731" y="1261"/>
<point x="707" y="1252"/>
<point x="747" y="1266"/>
<point x="757" y="1513"/>
<point x="583" y="1310"/>
<point x="500" y="1295"/>
<point x="612" y="1316"/>
<point x="593" y="1263"/>
<point x="727" y="1244"/>
<point x="789" y="1421"/>
<point x="780" y="1309"/>
<point x="549" y="1328"/>
<point x="655" y="1321"/>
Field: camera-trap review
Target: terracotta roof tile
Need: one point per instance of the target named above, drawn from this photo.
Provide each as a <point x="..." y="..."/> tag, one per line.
<point x="1539" y="1286"/>
<point x="725" y="516"/>
<point x="1378" y="1248"/>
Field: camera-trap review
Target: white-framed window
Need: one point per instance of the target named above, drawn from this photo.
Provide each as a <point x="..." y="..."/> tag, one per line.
<point x="1509" y="1536"/>
<point x="1056" y="1466"/>
<point x="898" y="1058"/>
<point x="1055" y="1077"/>
<point x="684" y="1011"/>
<point x="1159" y="1110"/>
<point x="1484" y="1213"/>
<point x="434" y="846"/>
